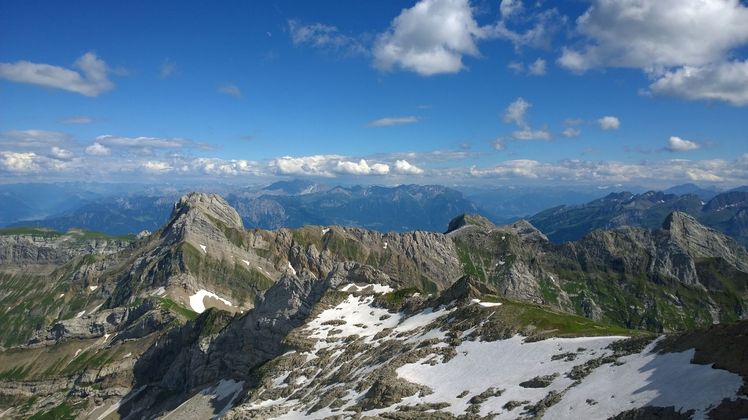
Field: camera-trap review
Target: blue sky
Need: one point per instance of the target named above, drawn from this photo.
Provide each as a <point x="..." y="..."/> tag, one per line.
<point x="501" y="92"/>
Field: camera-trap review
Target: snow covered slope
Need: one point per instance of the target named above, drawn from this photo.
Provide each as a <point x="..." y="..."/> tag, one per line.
<point x="356" y="357"/>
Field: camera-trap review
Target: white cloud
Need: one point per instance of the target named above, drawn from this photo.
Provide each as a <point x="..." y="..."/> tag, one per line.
<point x="686" y="46"/>
<point x="724" y="81"/>
<point x="231" y="90"/>
<point x="429" y="38"/>
<point x="33" y="139"/>
<point x="540" y="26"/>
<point x="592" y="172"/>
<point x="509" y="8"/>
<point x="697" y="174"/>
<point x="60" y="153"/>
<point x="390" y="121"/>
<point x="92" y="80"/>
<point x="220" y="167"/>
<point x="97" y="149"/>
<point x="156" y="166"/>
<point x="324" y="37"/>
<point x="515" y="112"/>
<point x="167" y="69"/>
<point x="571" y="132"/>
<point x="498" y="144"/>
<point x="18" y="162"/>
<point x="317" y="165"/>
<point x="516" y="66"/>
<point x="149" y="142"/>
<point x="659" y="34"/>
<point x="361" y="168"/>
<point x="609" y="123"/>
<point x="530" y="134"/>
<point x="677" y="144"/>
<point x="537" y="68"/>
<point x="406" y="168"/>
<point x="79" y="119"/>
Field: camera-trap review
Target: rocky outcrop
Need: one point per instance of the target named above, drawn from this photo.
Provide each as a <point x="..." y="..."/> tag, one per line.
<point x="49" y="247"/>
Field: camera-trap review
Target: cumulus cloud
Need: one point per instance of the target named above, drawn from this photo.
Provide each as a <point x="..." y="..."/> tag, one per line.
<point x="509" y="8"/>
<point x="609" y="122"/>
<point x="406" y="168"/>
<point x="429" y="38"/>
<point x="361" y="168"/>
<point x="723" y="81"/>
<point x="515" y="112"/>
<point x="92" y="79"/>
<point x="677" y="144"/>
<point x="390" y="121"/>
<point x="537" y="68"/>
<point x="18" y="162"/>
<point x="498" y="144"/>
<point x="97" y="149"/>
<point x="570" y="132"/>
<point x="156" y="166"/>
<point x="685" y="45"/>
<point x="539" y="28"/>
<point x="231" y="90"/>
<point x="324" y="37"/>
<point x="60" y="153"/>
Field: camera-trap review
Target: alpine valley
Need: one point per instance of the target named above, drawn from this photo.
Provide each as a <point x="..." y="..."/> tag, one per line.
<point x="204" y="318"/>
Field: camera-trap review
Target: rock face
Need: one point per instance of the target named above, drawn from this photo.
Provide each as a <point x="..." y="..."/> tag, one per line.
<point x="43" y="246"/>
<point x="203" y="304"/>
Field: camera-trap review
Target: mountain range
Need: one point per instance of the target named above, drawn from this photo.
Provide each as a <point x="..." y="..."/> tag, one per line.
<point x="205" y="318"/>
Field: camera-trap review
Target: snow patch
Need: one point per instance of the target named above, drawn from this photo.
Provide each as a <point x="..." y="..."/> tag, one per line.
<point x="290" y="268"/>
<point x="325" y="230"/>
<point x="92" y="288"/>
<point x="246" y="262"/>
<point x="663" y="380"/>
<point x="62" y="295"/>
<point x="385" y="245"/>
<point x="204" y="248"/>
<point x="80" y="314"/>
<point x="196" y="300"/>
<point x="485" y="304"/>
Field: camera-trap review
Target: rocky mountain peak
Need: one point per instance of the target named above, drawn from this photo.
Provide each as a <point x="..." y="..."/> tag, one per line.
<point x="527" y="231"/>
<point x="469" y="220"/>
<point x="211" y="205"/>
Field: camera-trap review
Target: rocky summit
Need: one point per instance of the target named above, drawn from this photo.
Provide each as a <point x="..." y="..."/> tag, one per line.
<point x="206" y="319"/>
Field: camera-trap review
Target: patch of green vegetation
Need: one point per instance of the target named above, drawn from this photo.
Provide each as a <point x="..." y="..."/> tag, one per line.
<point x="543" y="320"/>
<point x="16" y="373"/>
<point x="178" y="309"/>
<point x="61" y="412"/>
<point x="397" y="297"/>
<point x="235" y="236"/>
<point x="243" y="283"/>
<point x="89" y="360"/>
<point x="346" y="248"/>
<point x="31" y="231"/>
<point x="89" y="234"/>
<point x="468" y="267"/>
<point x="549" y="291"/>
